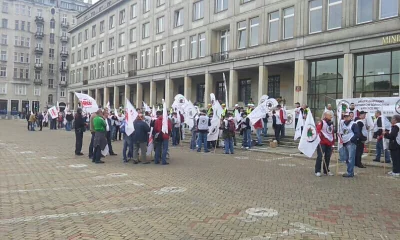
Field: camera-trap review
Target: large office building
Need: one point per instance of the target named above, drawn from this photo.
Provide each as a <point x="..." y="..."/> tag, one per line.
<point x="300" y="50"/>
<point x="34" y="53"/>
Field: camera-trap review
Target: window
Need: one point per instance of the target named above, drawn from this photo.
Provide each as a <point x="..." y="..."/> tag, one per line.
<point x="157" y="56"/>
<point x="146" y="6"/>
<point x="3" y="56"/>
<point x="122" y="16"/>
<point x="242" y="34"/>
<point x="15" y="57"/>
<point x="93" y="31"/>
<point x="201" y="88"/>
<point x="334" y="14"/>
<point x="288" y="22"/>
<point x="28" y="26"/>
<point x="16" y="25"/>
<point x="146" y="30"/>
<point x="178" y="18"/>
<point x="160" y="2"/>
<point x="181" y="51"/>
<point x="79" y="55"/>
<point x="36" y="90"/>
<point x="62" y="92"/>
<point x="51" y="68"/>
<point x="112" y="66"/>
<point x="198" y="10"/>
<point x="365" y="10"/>
<point x="27" y="73"/>
<point x="16" y="40"/>
<point x="23" y="25"/>
<point x="3" y="88"/>
<point x="72" y="58"/>
<point x="20" y="89"/>
<point x="5" y="7"/>
<point x="3" y="71"/>
<point x="64" y="18"/>
<point x="111" y="43"/>
<point x="4" y="23"/>
<point x="273" y="26"/>
<point x="93" y="50"/>
<point x="4" y="39"/>
<point x="245" y="90"/>
<point x="86" y="36"/>
<point x="85" y="53"/>
<point x="175" y="51"/>
<point x="52" y="38"/>
<point x="51" y="83"/>
<point x="111" y="22"/>
<point x="132" y="35"/>
<point x="163" y="50"/>
<point x="21" y="57"/>
<point x="28" y="42"/>
<point x="52" y="24"/>
<point x="193" y="47"/>
<point x="274" y="86"/>
<point x="102" y="26"/>
<point x="15" y="75"/>
<point x="160" y="25"/>
<point x="123" y="64"/>
<point x="22" y="41"/>
<point x="21" y="73"/>
<point x="101" y="47"/>
<point x="121" y="40"/>
<point x="148" y="58"/>
<point x="133" y="11"/>
<point x="315" y="21"/>
<point x="51" y="53"/>
<point x="27" y="58"/>
<point x="50" y="98"/>
<point x="388" y="8"/>
<point x="143" y="59"/>
<point x="221" y="5"/>
<point x="202" y="44"/>
<point x="224" y="41"/>
<point x="38" y="60"/>
<point x="254" y="23"/>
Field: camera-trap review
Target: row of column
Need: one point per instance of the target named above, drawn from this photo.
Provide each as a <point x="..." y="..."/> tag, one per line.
<point x="301" y="70"/>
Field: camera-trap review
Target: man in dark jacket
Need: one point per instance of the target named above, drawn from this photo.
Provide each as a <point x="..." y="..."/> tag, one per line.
<point x="40" y="121"/>
<point x="140" y="139"/>
<point x="79" y="129"/>
<point x="69" y="119"/>
<point x="362" y="127"/>
<point x="394" y="145"/>
<point x="349" y="132"/>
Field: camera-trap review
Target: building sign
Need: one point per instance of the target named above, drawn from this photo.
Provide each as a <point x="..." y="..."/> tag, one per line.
<point x="389" y="106"/>
<point x="393" y="39"/>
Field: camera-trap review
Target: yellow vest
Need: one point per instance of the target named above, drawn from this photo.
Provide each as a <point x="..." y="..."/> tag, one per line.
<point x="248" y="111"/>
<point x="209" y="111"/>
<point x="224" y="112"/>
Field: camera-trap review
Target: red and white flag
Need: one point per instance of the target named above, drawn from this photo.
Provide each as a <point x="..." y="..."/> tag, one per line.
<point x="130" y="116"/>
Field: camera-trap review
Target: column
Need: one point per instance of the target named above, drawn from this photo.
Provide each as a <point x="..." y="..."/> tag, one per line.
<point x="89" y="92"/>
<point x="233" y="88"/>
<point x="97" y="96"/>
<point x="209" y="83"/>
<point x="106" y="97"/>
<point x="153" y="93"/>
<point x="187" y="85"/>
<point x="76" y="101"/>
<point x="262" y="81"/>
<point x="300" y="81"/>
<point x="348" y="75"/>
<point x="169" y="92"/>
<point x="69" y="100"/>
<point x="116" y="97"/>
<point x="127" y="93"/>
<point x="139" y="95"/>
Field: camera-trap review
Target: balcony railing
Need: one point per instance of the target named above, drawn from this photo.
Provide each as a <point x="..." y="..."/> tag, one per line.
<point x="37" y="81"/>
<point x="132" y="73"/>
<point x="38" y="50"/>
<point x="64" y="53"/>
<point x="65" y="25"/>
<point x="85" y="82"/>
<point x="64" y="68"/>
<point x="39" y="19"/>
<point x="64" y="39"/>
<point x="220" y="57"/>
<point x="63" y="83"/>
<point x="39" y="35"/>
<point x="38" y="66"/>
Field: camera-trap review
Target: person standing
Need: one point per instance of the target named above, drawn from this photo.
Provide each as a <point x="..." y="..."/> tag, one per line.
<point x="379" y="131"/>
<point x="161" y="140"/>
<point x="194" y="133"/>
<point x="297" y="111"/>
<point x="127" y="143"/>
<point x="246" y="125"/>
<point x="79" y="130"/>
<point x="32" y="120"/>
<point x="40" y="121"/>
<point x="258" y="126"/>
<point x="265" y="122"/>
<point x="283" y="118"/>
<point x="140" y="139"/>
<point x="28" y="116"/>
<point x="277" y="125"/>
<point x="203" y="124"/>
<point x="69" y="118"/>
<point x="363" y="129"/>
<point x="176" y="122"/>
<point x="108" y="132"/>
<point x="349" y="132"/>
<point x="100" y="140"/>
<point x="92" y="131"/>
<point x="394" y="145"/>
<point x="229" y="127"/>
<point x="326" y="132"/>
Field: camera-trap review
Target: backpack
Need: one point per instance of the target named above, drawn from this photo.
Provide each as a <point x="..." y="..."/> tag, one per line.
<point x="231" y="126"/>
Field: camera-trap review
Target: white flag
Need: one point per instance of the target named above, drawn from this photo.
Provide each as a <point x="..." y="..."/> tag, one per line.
<point x="300" y="124"/>
<point x="213" y="130"/>
<point x="179" y="102"/>
<point x="217" y="109"/>
<point x="146" y="107"/>
<point x="88" y="104"/>
<point x="385" y="126"/>
<point x="108" y="105"/>
<point x="309" y="138"/>
<point x="154" y="112"/>
<point x="58" y="106"/>
<point x="271" y="103"/>
<point x="165" y="119"/>
<point x="263" y="99"/>
<point x="130" y="116"/>
<point x="53" y="112"/>
<point x="258" y="113"/>
<point x="190" y="113"/>
<point x="226" y="91"/>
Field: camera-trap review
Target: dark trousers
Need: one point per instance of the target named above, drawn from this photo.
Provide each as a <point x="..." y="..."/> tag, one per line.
<point x="395" y="154"/>
<point x="108" y="136"/>
<point x="78" y="141"/>
<point x="97" y="154"/>
<point x="29" y="126"/>
<point x="278" y="129"/>
<point x="326" y="152"/>
<point x="296" y="120"/>
<point x="91" y="146"/>
<point x="117" y="133"/>
<point x="41" y="125"/>
<point x="359" y="153"/>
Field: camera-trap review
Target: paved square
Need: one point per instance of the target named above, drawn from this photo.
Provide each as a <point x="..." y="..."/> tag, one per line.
<point x="46" y="192"/>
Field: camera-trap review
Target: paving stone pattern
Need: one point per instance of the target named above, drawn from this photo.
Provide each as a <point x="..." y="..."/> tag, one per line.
<point x="46" y="192"/>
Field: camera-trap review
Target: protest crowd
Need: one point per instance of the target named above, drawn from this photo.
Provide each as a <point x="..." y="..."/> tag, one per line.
<point x="144" y="131"/>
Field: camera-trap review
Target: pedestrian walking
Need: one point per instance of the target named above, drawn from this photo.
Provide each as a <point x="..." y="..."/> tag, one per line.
<point x="32" y="121"/>
<point x="79" y="130"/>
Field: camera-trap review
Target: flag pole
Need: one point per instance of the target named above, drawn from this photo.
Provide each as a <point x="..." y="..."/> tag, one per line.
<point x="337" y="162"/>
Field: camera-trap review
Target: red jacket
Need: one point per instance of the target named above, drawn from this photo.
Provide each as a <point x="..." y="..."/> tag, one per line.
<point x="324" y="140"/>
<point x="158" y="127"/>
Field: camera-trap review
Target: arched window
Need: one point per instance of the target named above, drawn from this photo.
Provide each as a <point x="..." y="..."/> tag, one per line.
<point x="52" y="24"/>
<point x="50" y="99"/>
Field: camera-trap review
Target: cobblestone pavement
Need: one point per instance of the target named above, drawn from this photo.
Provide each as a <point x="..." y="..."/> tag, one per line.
<point x="46" y="192"/>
